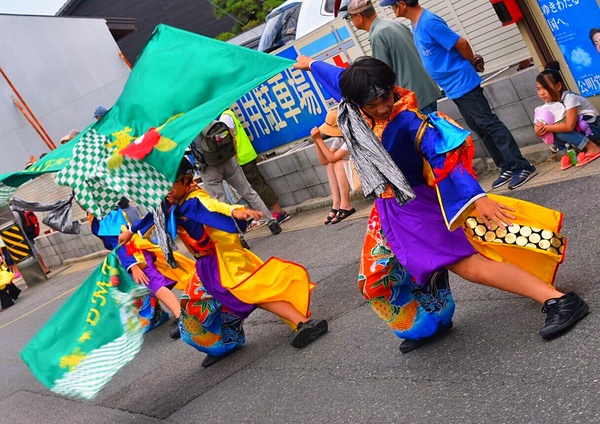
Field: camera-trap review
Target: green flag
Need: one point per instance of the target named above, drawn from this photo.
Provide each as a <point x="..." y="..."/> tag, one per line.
<point x="91" y="337"/>
<point x="179" y="84"/>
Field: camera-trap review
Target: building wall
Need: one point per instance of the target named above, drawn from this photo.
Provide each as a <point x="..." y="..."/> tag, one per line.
<point x="63" y="68"/>
<point x="192" y="15"/>
<point x="513" y="99"/>
<point x="501" y="46"/>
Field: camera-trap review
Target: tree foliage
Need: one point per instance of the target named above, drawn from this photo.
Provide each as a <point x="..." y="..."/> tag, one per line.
<point x="248" y="13"/>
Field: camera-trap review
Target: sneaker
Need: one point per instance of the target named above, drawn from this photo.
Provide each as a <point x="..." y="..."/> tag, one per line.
<point x="522" y="176"/>
<point x="282" y="217"/>
<point x="565" y="163"/>
<point x="505" y="177"/>
<point x="18" y="275"/>
<point x="175" y="332"/>
<point x="562" y="313"/>
<point x="410" y="345"/>
<point x="309" y="331"/>
<point x="275" y="228"/>
<point x="253" y="225"/>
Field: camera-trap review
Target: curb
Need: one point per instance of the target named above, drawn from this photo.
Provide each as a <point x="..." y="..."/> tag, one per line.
<point x="536" y="154"/>
<point x="95" y="255"/>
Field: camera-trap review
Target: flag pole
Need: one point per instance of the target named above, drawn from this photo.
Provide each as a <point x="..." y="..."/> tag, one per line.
<point x="48" y="139"/>
<point x="16" y="102"/>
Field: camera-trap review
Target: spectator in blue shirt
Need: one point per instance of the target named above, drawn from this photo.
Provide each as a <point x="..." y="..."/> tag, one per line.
<point x="450" y="61"/>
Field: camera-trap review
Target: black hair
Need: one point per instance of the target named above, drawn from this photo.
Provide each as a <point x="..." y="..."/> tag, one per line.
<point x="185" y="169"/>
<point x="411" y="3"/>
<point x="369" y="13"/>
<point x="551" y="73"/>
<point x="366" y="72"/>
<point x="593" y="32"/>
<point x="123" y="203"/>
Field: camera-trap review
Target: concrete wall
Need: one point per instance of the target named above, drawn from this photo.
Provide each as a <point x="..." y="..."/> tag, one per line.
<point x="513" y="99"/>
<point x="56" y="247"/>
<point x="297" y="176"/>
<point x="63" y="68"/>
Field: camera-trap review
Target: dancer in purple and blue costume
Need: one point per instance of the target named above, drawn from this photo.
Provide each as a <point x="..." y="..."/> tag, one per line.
<point x="146" y="263"/>
<point x="232" y="282"/>
<point x="420" y="216"/>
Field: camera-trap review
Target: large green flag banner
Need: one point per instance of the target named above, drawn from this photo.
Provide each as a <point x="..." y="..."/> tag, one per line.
<point x="91" y="337"/>
<point x="179" y="84"/>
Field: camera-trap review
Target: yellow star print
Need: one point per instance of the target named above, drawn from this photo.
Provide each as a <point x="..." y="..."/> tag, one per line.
<point x="71" y="361"/>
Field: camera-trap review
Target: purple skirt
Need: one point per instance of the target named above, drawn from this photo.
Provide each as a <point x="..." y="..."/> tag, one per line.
<point x="208" y="271"/>
<point x="418" y="235"/>
<point x="157" y="280"/>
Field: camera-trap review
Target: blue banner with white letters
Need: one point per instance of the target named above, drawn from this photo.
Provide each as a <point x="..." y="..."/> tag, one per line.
<point x="289" y="105"/>
<point x="575" y="25"/>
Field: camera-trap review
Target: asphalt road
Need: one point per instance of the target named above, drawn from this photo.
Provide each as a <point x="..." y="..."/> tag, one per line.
<point x="492" y="368"/>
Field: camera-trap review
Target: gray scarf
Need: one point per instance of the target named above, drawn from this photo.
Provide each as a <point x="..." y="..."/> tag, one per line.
<point x="164" y="239"/>
<point x="375" y="168"/>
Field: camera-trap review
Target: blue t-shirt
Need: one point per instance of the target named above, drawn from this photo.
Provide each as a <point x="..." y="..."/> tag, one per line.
<point x="435" y="42"/>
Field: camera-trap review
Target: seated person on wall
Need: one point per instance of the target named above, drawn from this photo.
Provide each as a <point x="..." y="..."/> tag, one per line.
<point x="334" y="159"/>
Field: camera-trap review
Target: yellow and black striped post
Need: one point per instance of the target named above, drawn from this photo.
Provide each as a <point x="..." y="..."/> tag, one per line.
<point x="16" y="243"/>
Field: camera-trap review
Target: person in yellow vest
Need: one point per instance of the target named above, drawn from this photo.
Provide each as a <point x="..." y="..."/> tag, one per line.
<point x="246" y="157"/>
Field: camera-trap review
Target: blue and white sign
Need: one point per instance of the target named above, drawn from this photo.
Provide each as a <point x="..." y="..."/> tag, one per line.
<point x="289" y="105"/>
<point x="572" y="23"/>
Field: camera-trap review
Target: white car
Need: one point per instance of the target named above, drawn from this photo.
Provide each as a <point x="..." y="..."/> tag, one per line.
<point x="293" y="19"/>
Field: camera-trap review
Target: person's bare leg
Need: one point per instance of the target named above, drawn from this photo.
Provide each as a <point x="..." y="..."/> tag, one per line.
<point x="43" y="264"/>
<point x="591" y="148"/>
<point x="276" y="208"/>
<point x="504" y="276"/>
<point x="168" y="298"/>
<point x="284" y="310"/>
<point x="333" y="186"/>
<point x="307" y="330"/>
<point x="343" y="185"/>
<point x="335" y="190"/>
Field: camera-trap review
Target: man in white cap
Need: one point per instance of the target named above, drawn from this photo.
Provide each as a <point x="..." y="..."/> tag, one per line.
<point x="392" y="43"/>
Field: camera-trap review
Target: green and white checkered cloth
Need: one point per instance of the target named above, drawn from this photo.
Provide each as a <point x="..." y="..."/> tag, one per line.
<point x="98" y="189"/>
<point x="6" y="193"/>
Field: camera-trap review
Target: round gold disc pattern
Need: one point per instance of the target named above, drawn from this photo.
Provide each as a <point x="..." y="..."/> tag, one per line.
<point x="531" y="237"/>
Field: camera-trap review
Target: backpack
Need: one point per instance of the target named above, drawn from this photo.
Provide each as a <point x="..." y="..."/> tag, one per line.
<point x="31" y="225"/>
<point x="214" y="145"/>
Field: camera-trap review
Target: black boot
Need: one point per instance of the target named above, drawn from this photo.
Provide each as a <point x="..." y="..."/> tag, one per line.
<point x="5" y="300"/>
<point x="13" y="291"/>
